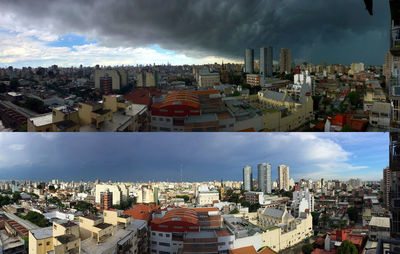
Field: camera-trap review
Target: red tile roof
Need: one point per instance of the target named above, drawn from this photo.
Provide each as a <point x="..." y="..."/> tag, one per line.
<point x="141" y="212"/>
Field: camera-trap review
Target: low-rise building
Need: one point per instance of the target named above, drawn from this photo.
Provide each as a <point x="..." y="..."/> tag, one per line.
<point x="379" y="115"/>
<point x="379" y="228"/>
<point x="282" y="230"/>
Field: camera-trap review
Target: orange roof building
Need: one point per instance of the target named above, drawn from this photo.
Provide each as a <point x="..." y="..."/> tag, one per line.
<point x="142" y="212"/>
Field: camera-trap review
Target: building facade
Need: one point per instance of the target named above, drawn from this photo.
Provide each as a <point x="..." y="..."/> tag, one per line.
<point x="249" y="61"/>
<point x="266" y="58"/>
<point x="285" y="64"/>
<point x="283" y="177"/>
<point x="264" y="178"/>
<point x="247" y="178"/>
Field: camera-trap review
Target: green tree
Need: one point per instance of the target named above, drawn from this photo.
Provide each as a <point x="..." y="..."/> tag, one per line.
<point x="353" y="213"/>
<point x="14" y="84"/>
<point x="36" y="218"/>
<point x="307" y="248"/>
<point x="4" y="200"/>
<point x="316" y="100"/>
<point x="315" y="217"/>
<point x="326" y="102"/>
<point x="185" y="197"/>
<point x="26" y="241"/>
<point x="35" y="105"/>
<point x="343" y="107"/>
<point x="52" y="188"/>
<point x="354" y="98"/>
<point x="234" y="94"/>
<point x="254" y="207"/>
<point x="234" y="211"/>
<point x="245" y="203"/>
<point x="16" y="196"/>
<point x="347" y="247"/>
<point x="347" y="128"/>
<point x="3" y="88"/>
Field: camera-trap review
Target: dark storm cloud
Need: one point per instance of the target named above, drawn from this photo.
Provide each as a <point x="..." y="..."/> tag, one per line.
<point x="315" y="30"/>
<point x="204" y="156"/>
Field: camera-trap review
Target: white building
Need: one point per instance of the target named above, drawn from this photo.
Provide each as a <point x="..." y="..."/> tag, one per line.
<point x="119" y="192"/>
<point x="282" y="230"/>
<point x="206" y="196"/>
<point x="302" y="200"/>
<point x="207" y="79"/>
<point x="118" y="79"/>
<point x="304" y="83"/>
<point x="145" y="195"/>
<point x="356" y="67"/>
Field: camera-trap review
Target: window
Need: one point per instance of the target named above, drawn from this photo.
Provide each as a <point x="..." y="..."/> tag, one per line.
<point x="160" y="234"/>
<point x="168" y="120"/>
<point x="153" y="242"/>
<point x="154" y="118"/>
<point x="163" y="244"/>
<point x="153" y="233"/>
<point x="167" y="235"/>
<point x="47" y="243"/>
<point x="40" y="244"/>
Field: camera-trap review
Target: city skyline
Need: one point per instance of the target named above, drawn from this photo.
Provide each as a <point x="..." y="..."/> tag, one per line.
<point x="205" y="157"/>
<point x="47" y="32"/>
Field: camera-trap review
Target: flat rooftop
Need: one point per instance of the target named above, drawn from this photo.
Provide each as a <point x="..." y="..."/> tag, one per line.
<point x="91" y="217"/>
<point x="103" y="225"/>
<point x="202" y="118"/>
<point x="9" y="242"/>
<point x="66" y="238"/>
<point x="200" y="234"/>
<point x="90" y="245"/>
<point x="42" y="233"/>
<point x="42" y="119"/>
<point x="118" y="123"/>
<point x="135" y="109"/>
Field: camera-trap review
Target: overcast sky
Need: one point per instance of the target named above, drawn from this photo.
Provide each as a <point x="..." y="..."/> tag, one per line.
<point x="105" y="32"/>
<point x="204" y="156"/>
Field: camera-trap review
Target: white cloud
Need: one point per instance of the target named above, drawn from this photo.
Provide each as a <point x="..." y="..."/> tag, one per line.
<point x="17" y="147"/>
<point x="23" y="45"/>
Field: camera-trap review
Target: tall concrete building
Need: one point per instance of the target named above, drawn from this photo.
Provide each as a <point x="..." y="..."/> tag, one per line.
<point x="386" y="186"/>
<point x="247" y="178"/>
<point x="264" y="178"/>
<point x="249" y="61"/>
<point x="109" y="80"/>
<point x="266" y="58"/>
<point x="147" y="78"/>
<point x="285" y="63"/>
<point x="106" y="200"/>
<point x="283" y="177"/>
<point x="119" y="193"/>
<point x="387" y="67"/>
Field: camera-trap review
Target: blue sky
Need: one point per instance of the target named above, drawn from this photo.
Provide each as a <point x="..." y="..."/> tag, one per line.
<point x="205" y="156"/>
